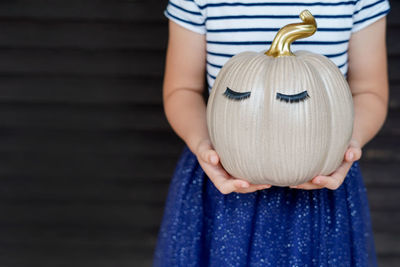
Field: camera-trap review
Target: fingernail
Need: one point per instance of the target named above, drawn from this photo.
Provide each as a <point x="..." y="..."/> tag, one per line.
<point x="245" y="185"/>
<point x="214" y="159"/>
<point x="317" y="181"/>
<point x="351" y="155"/>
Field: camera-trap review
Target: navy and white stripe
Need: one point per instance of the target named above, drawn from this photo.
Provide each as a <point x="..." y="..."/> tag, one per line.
<point x="235" y="26"/>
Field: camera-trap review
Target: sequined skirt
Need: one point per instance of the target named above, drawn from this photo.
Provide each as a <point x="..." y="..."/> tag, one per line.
<point x="272" y="227"/>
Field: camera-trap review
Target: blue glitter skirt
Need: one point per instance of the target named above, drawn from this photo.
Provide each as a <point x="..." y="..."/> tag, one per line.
<point x="276" y="227"/>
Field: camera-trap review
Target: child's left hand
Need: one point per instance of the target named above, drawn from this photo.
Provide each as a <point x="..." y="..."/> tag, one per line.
<point x="336" y="178"/>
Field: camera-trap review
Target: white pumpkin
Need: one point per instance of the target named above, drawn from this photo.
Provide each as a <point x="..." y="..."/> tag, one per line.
<point x="280" y="118"/>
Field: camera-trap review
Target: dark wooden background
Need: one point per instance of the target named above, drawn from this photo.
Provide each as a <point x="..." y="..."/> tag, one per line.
<point x="86" y="152"/>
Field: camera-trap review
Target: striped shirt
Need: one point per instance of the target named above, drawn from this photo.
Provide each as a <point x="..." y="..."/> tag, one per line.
<point x="234" y="26"/>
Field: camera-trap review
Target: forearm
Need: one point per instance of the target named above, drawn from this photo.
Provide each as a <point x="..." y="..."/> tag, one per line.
<point x="370" y="112"/>
<point x="186" y="112"/>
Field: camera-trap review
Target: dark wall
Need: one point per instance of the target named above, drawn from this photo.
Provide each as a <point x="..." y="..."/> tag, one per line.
<point x="86" y="151"/>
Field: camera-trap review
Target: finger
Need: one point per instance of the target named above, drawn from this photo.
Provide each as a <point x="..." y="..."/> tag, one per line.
<point x="253" y="188"/>
<point x="334" y="180"/>
<point x="231" y="185"/>
<point x="353" y="154"/>
<point x="226" y="184"/>
<point x="208" y="154"/>
<point x="264" y="186"/>
<point x="213" y="157"/>
<point x="240" y="188"/>
<point x="220" y="178"/>
<point x="307" y="186"/>
<point x="349" y="155"/>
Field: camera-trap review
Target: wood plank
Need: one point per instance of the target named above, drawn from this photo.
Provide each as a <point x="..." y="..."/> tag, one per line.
<point x="84" y="10"/>
<point x="393" y="46"/>
<point x="394" y="66"/>
<point x="64" y="166"/>
<point x="117" y="193"/>
<point x="392" y="17"/>
<point x="74" y="247"/>
<point x="84" y="90"/>
<point x="394" y="97"/>
<point x="53" y="215"/>
<point x="384" y="199"/>
<point x="380" y="174"/>
<point x="139" y="143"/>
<point x="386" y="222"/>
<point x="81" y="62"/>
<point x="87" y="35"/>
<point x="389" y="261"/>
<point x="61" y="257"/>
<point x="382" y="148"/>
<point x="83" y="117"/>
<point x="387" y="244"/>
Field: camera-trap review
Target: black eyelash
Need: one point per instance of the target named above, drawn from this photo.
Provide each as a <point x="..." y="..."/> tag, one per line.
<point x="236" y="95"/>
<point x="293" y="98"/>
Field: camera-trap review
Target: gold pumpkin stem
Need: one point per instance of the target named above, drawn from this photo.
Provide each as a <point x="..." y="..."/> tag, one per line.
<point x="288" y="34"/>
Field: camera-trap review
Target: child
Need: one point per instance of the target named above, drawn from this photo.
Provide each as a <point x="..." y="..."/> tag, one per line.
<point x="214" y="219"/>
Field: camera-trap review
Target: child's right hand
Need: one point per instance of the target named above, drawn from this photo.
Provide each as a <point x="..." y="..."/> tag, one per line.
<point x="224" y="182"/>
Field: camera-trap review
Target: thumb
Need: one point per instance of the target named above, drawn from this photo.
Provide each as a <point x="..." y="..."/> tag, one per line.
<point x="207" y="153"/>
<point x="353" y="154"/>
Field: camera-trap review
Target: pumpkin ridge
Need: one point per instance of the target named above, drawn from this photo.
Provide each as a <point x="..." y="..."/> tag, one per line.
<point x="228" y="134"/>
<point x="338" y="93"/>
<point x="319" y="98"/>
<point x="255" y="141"/>
<point x="252" y="73"/>
<point x="234" y="69"/>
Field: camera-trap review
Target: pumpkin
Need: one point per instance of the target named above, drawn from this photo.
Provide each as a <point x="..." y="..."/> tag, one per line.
<point x="280" y="118"/>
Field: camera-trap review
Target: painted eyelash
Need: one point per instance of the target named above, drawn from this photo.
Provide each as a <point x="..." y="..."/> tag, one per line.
<point x="236" y="95"/>
<point x="293" y="98"/>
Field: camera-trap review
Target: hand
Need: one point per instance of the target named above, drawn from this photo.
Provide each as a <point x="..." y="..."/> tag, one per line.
<point x="224" y="182"/>
<point x="335" y="179"/>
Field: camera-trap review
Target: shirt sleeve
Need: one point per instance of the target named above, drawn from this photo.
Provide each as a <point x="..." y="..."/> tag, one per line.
<point x="368" y="11"/>
<point x="186" y="13"/>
